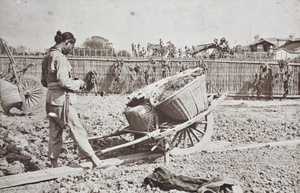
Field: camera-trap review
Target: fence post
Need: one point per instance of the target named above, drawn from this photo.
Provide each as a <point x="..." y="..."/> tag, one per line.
<point x="259" y="56"/>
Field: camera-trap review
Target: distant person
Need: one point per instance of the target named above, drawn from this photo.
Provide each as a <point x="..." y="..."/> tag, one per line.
<point x="56" y="76"/>
<point x="286" y="80"/>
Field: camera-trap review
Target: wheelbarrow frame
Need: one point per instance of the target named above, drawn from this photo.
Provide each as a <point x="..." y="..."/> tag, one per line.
<point x="163" y="133"/>
<point x="30" y="89"/>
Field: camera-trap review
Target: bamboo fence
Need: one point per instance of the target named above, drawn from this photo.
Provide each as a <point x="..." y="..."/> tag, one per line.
<point x="236" y="77"/>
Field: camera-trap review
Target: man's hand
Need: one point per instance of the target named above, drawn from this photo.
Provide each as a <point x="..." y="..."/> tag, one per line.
<point x="82" y="84"/>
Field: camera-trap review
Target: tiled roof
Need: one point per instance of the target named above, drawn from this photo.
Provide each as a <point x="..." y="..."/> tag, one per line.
<point x="202" y="47"/>
<point x="288" y="39"/>
<point x="262" y="40"/>
<point x="290" y="46"/>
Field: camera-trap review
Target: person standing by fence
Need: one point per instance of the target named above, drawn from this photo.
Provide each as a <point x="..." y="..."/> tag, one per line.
<point x="57" y="78"/>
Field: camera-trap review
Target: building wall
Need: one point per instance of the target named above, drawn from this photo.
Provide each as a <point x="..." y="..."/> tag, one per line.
<point x="261" y="47"/>
<point x="283" y="55"/>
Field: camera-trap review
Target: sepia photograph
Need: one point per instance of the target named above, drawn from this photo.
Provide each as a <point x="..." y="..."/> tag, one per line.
<point x="150" y="96"/>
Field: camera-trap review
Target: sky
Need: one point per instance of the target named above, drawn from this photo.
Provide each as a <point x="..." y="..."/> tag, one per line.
<point x="34" y="23"/>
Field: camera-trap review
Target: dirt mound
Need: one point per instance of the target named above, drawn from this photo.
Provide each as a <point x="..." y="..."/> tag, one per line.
<point x="24" y="147"/>
<point x="172" y="86"/>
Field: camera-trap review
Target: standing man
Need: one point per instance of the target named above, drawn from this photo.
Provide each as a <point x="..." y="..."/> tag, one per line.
<point x="56" y="76"/>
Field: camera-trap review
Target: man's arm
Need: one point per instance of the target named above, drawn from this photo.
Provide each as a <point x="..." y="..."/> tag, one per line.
<point x="64" y="79"/>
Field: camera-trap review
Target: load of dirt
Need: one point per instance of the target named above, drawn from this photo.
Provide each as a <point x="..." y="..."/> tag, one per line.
<point x="172" y="86"/>
<point x="24" y="148"/>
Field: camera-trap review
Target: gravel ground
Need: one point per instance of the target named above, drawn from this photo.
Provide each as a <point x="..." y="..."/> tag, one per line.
<point x="24" y="143"/>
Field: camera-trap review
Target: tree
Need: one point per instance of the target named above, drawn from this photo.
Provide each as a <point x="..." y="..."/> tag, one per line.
<point x="123" y="53"/>
<point x="222" y="48"/>
<point x="97" y="42"/>
<point x="21" y="49"/>
<point x="240" y="49"/>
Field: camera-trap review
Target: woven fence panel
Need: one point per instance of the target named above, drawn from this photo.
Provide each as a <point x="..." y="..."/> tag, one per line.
<point x="236" y="77"/>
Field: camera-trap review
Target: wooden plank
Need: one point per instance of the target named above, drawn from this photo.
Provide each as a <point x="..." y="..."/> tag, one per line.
<point x="37" y="176"/>
<point x="264" y="96"/>
<point x="53" y="173"/>
<point x="251" y="146"/>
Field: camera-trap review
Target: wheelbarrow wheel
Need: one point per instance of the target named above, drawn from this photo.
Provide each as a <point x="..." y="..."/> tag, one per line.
<point x="33" y="92"/>
<point x="193" y="138"/>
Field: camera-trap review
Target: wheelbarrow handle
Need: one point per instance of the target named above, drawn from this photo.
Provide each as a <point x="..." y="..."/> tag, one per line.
<point x="26" y="67"/>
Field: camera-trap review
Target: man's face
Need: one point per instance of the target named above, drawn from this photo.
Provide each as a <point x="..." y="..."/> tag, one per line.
<point x="68" y="48"/>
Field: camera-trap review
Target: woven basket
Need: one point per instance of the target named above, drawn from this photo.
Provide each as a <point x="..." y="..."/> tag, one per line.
<point x="187" y="102"/>
<point x="9" y="95"/>
<point x="140" y="118"/>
